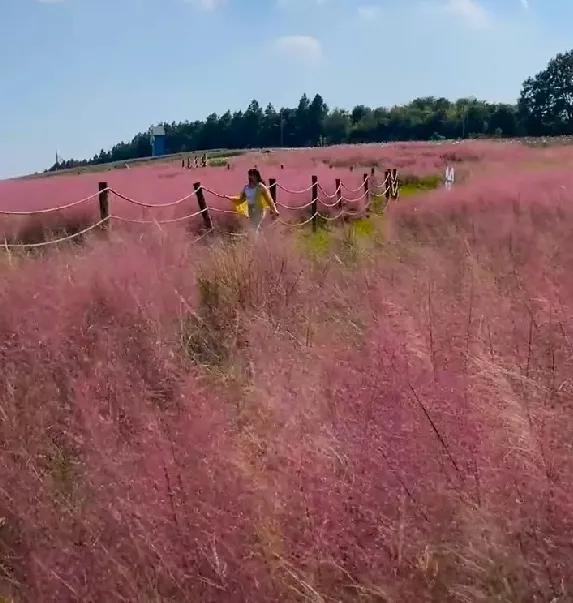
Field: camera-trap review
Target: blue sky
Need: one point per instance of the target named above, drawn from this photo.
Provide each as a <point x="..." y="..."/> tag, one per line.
<point x="79" y="75"/>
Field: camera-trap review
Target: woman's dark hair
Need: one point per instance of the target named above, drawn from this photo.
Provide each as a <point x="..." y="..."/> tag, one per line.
<point x="256" y="175"/>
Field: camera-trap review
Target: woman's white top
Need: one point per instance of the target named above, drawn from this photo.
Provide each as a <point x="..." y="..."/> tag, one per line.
<point x="251" y="195"/>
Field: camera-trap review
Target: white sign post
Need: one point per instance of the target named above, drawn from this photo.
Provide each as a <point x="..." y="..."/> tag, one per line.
<point x="450" y="178"/>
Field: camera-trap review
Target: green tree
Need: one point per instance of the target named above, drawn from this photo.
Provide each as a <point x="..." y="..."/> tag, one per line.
<point x="210" y="137"/>
<point x="236" y="134"/>
<point x="336" y="126"/>
<point x="477" y="118"/>
<point x="224" y="126"/>
<point x="316" y="113"/>
<point x="504" y="120"/>
<point x="301" y="122"/>
<point x="359" y="113"/>
<point x="271" y="128"/>
<point x="252" y="125"/>
<point x="546" y="101"/>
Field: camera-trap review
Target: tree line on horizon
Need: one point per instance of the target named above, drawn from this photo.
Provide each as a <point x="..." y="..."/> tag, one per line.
<point x="545" y="108"/>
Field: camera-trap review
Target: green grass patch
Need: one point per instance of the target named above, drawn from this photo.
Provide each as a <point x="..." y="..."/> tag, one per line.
<point x="346" y="240"/>
<point x="316" y="244"/>
<point x="236" y="153"/>
<point x="363" y="228"/>
<point x="218" y="162"/>
<point x="362" y="237"/>
<point x="414" y="186"/>
<point x="379" y="204"/>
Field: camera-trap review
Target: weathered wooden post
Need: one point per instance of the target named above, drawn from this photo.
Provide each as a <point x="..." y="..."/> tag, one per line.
<point x="273" y="188"/>
<point x="338" y="192"/>
<point x="203" y="206"/>
<point x="366" y="180"/>
<point x="104" y="204"/>
<point x="388" y="185"/>
<point x="314" y="203"/>
<point x="395" y="184"/>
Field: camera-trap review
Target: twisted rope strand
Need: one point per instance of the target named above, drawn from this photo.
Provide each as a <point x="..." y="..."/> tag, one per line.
<point x="294" y="192"/>
<point x="355" y="190"/>
<point x="294" y="207"/>
<point x="357" y="199"/>
<point x="60" y="240"/>
<point x="153" y="205"/>
<point x="53" y="209"/>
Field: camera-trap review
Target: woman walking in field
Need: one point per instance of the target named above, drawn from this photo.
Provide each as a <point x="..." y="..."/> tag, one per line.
<point x="255" y="200"/>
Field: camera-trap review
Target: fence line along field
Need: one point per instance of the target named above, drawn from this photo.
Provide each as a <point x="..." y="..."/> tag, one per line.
<point x="377" y="410"/>
<point x="170" y="192"/>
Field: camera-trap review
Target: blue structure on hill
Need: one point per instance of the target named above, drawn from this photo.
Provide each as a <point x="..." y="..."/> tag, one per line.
<point x="158" y="141"/>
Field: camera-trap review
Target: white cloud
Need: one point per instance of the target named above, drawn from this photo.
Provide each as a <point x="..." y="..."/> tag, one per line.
<point x="470" y="11"/>
<point x="525" y="4"/>
<point x="305" y="49"/>
<point x="207" y="5"/>
<point x="369" y="12"/>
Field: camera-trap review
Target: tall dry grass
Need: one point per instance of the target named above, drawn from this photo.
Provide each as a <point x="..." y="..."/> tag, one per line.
<point x="239" y="421"/>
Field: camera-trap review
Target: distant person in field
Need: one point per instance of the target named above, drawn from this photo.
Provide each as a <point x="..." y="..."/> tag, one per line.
<point x="450" y="177"/>
<point x="255" y="200"/>
<point x="204" y="160"/>
<point x="196" y="162"/>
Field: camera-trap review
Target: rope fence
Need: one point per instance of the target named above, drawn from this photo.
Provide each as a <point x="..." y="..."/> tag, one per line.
<point x="388" y="188"/>
<point x="53" y="209"/>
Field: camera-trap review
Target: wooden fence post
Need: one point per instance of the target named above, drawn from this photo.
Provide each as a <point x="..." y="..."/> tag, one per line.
<point x="395" y="184"/>
<point x="388" y="184"/>
<point x="314" y="203"/>
<point x="338" y="191"/>
<point x="104" y="204"/>
<point x="203" y="205"/>
<point x="183" y="162"/>
<point x="273" y="189"/>
<point x="366" y="180"/>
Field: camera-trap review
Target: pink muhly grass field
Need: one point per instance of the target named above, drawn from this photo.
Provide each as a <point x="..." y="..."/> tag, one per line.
<point x="165" y="182"/>
<point x="230" y="421"/>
